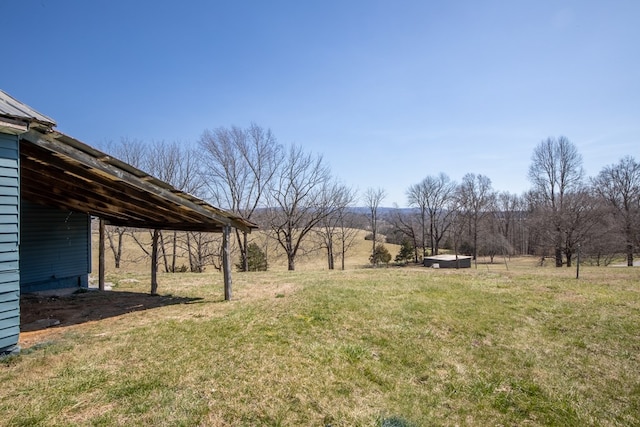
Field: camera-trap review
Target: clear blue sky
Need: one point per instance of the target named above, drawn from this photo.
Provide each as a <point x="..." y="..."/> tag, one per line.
<point x="387" y="91"/>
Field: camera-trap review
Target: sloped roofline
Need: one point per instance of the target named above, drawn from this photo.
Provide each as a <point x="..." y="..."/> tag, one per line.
<point x="14" y="109"/>
<point x="59" y="170"/>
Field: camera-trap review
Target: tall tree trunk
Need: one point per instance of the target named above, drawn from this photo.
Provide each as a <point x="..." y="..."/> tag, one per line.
<point x="164" y="253"/>
<point x="569" y="256"/>
<point x="475" y="243"/>
<point x="191" y="262"/>
<point x="119" y="257"/>
<point x="558" y="248"/>
<point x="117" y="250"/>
<point x="330" y="254"/>
<point x="431" y="236"/>
<point x="629" y="233"/>
<point x="243" y="252"/>
<point x="174" y="247"/>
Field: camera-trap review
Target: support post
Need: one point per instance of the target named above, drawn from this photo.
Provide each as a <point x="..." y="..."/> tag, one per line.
<point x="101" y="255"/>
<point x="154" y="263"/>
<point x="226" y="262"/>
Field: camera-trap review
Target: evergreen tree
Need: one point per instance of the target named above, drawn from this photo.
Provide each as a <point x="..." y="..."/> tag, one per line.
<point x="406" y="252"/>
<point x="380" y="255"/>
<point x="257" y="259"/>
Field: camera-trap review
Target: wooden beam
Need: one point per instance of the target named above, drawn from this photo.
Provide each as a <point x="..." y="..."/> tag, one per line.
<point x="76" y="179"/>
<point x="226" y="262"/>
<point x="105" y="196"/>
<point x="176" y="226"/>
<point x="92" y="162"/>
<point x="101" y="255"/>
<point x="154" y="263"/>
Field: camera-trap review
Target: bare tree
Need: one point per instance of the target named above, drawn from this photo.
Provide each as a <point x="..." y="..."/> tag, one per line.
<point x="134" y="152"/>
<point x="298" y="200"/>
<point x="555" y="171"/>
<point x="372" y="198"/>
<point x="456" y="227"/>
<point x="619" y="186"/>
<point x="202" y="249"/>
<point x="178" y="165"/>
<point x="332" y="229"/>
<point x="347" y="233"/>
<point x="411" y="227"/>
<point x="476" y="200"/>
<point x="239" y="166"/>
<point x="582" y="218"/>
<point x="607" y="240"/>
<point x="418" y="196"/>
<point x="440" y="204"/>
<point x="508" y="218"/>
<point x="115" y="236"/>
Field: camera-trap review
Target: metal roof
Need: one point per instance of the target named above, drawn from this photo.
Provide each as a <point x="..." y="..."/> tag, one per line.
<point x="58" y="170"/>
<point x="61" y="171"/>
<point x="447" y="257"/>
<point x="12" y="108"/>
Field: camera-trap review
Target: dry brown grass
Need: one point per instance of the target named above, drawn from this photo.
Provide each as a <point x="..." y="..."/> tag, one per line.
<point x="135" y="260"/>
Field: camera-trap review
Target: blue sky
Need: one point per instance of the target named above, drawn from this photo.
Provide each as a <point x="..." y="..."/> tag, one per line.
<point x="387" y="91"/>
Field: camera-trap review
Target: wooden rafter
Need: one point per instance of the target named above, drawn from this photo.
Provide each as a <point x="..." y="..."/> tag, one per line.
<point x="60" y="171"/>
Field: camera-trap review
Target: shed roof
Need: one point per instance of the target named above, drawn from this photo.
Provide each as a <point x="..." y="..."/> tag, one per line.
<point x="58" y="170"/>
<point x="447" y="257"/>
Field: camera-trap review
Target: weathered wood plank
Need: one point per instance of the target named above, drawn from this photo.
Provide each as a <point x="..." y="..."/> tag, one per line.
<point x="100" y="167"/>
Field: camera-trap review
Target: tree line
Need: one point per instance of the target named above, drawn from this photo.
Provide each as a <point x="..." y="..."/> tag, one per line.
<point x="294" y="198"/>
<point x="562" y="213"/>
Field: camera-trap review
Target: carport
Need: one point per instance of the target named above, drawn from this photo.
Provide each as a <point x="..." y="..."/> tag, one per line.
<point x="60" y="171"/>
<point x="45" y="175"/>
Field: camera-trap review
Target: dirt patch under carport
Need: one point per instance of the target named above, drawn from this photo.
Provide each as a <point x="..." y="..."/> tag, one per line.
<point x="44" y="315"/>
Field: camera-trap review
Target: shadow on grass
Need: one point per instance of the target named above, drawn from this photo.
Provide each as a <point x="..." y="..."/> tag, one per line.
<point x="40" y="312"/>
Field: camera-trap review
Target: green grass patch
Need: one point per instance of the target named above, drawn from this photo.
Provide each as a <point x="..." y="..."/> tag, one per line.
<point x="370" y="347"/>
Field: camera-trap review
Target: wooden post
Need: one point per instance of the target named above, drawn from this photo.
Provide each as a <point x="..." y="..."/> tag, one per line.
<point x="226" y="262"/>
<point x="154" y="263"/>
<point x="101" y="255"/>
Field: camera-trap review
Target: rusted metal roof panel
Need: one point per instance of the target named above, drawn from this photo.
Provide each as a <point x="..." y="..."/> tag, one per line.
<point x="11" y="107"/>
<point x="61" y="171"/>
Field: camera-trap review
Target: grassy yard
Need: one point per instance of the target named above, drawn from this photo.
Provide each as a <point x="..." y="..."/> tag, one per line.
<point x="362" y="347"/>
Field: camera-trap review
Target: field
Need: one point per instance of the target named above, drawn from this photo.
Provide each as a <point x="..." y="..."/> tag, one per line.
<point x="398" y="346"/>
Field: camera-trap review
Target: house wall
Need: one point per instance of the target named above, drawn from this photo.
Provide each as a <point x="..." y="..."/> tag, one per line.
<point x="55" y="248"/>
<point x="9" y="238"/>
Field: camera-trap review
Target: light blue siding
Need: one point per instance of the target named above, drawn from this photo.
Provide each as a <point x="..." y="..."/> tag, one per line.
<point x="9" y="254"/>
<point x="55" y="249"/>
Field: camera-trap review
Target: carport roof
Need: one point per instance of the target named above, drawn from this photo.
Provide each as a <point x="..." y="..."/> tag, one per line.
<point x="58" y="170"/>
<point x="13" y="109"/>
